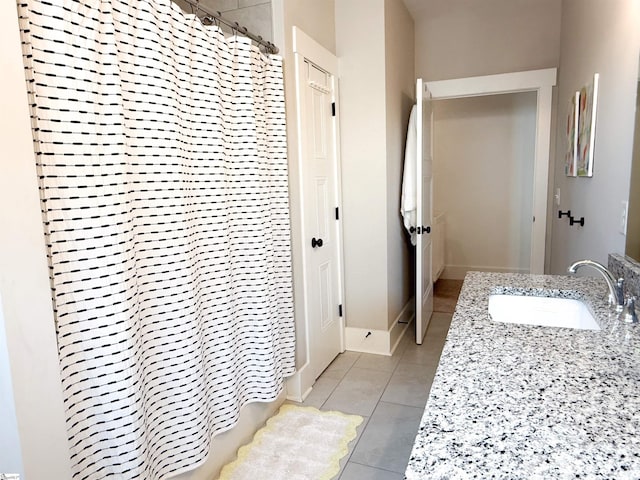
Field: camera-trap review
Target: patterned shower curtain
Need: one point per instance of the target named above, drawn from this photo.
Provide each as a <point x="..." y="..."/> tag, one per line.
<point x="161" y="152"/>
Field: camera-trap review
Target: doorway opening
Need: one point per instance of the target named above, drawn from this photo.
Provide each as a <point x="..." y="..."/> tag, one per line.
<point x="484" y="149"/>
<point x="541" y="83"/>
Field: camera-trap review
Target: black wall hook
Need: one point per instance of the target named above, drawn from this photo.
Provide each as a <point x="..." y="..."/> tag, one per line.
<point x="579" y="222"/>
<point x="562" y="214"/>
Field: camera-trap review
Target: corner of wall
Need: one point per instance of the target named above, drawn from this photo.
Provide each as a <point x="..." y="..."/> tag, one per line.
<point x="399" y="87"/>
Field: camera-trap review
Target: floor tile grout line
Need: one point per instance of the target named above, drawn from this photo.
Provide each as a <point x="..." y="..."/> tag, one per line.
<point x="377" y="468"/>
<point x="375" y="408"/>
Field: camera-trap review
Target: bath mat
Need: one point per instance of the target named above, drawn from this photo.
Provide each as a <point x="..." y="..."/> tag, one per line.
<point x="299" y="443"/>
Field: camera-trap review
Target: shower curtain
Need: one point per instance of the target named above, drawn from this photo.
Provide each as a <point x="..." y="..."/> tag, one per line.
<point x="161" y="153"/>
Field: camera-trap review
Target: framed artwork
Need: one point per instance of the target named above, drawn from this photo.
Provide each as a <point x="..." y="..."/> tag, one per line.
<point x="588" y="102"/>
<point x="571" y="157"/>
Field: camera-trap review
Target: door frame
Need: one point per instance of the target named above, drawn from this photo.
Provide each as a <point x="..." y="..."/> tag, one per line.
<point x="305" y="48"/>
<point x="541" y="82"/>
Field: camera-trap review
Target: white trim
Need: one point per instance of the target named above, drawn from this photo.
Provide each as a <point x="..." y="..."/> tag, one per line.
<point x="380" y="342"/>
<point x="492" y="84"/>
<point x="313" y="51"/>
<point x="541" y="180"/>
<point x="541" y="82"/>
<point x="317" y="86"/>
<point x="367" y="340"/>
<point x="401" y="324"/>
<point x="299" y="385"/>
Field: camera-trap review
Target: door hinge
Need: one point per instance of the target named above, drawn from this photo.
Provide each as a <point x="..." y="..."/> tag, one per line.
<point x="333" y="109"/>
<point x="340" y="310"/>
<point x="337" y="213"/>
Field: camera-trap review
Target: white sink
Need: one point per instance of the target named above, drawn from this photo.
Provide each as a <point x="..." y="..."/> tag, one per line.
<point x="543" y="311"/>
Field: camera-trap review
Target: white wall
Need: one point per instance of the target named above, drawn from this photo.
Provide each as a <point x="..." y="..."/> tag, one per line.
<point x="463" y="38"/>
<point x="483" y="168"/>
<point x="400" y="96"/>
<point x="360" y="47"/>
<point x="602" y="37"/>
<point x="24" y="283"/>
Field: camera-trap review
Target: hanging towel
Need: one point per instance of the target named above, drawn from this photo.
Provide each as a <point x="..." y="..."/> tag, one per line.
<point x="408" y="202"/>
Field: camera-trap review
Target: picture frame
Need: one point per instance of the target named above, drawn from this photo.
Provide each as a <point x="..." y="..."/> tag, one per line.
<point x="588" y="103"/>
<point x="571" y="156"/>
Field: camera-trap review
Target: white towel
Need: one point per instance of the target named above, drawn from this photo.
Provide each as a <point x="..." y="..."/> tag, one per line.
<point x="408" y="202"/>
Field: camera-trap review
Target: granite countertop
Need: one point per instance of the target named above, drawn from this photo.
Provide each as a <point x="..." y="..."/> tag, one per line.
<point x="516" y="401"/>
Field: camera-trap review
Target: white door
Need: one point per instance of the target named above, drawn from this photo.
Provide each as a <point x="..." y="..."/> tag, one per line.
<point x="424" y="177"/>
<point x="320" y="212"/>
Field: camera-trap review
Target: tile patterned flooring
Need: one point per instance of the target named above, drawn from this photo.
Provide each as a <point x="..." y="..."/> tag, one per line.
<point x="389" y="392"/>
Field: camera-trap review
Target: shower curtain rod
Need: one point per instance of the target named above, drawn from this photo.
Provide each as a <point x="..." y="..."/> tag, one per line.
<point x="210" y="16"/>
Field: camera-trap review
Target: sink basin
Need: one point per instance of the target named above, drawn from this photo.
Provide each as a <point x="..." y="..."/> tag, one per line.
<point x="542" y="311"/>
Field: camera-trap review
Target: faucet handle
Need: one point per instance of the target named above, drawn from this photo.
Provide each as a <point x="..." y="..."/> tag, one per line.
<point x="629" y="314"/>
<point x="618" y="301"/>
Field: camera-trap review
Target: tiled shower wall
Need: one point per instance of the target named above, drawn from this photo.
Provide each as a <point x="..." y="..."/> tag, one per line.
<point x="253" y="14"/>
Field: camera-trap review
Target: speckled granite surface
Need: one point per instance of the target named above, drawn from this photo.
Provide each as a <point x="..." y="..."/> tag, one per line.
<point x="628" y="269"/>
<point x="523" y="402"/>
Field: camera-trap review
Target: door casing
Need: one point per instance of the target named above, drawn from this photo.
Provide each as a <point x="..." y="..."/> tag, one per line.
<point x="308" y="50"/>
<point x="541" y="82"/>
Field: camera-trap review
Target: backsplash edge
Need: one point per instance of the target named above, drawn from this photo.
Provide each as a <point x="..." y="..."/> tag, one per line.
<point x="627" y="268"/>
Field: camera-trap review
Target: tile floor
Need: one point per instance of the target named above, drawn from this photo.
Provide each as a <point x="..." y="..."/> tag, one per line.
<point x="389" y="392"/>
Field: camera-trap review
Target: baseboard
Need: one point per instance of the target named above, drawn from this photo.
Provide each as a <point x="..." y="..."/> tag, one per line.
<point x="380" y="342"/>
<point x="401" y="324"/>
<point x="458" y="272"/>
<point x="299" y="384"/>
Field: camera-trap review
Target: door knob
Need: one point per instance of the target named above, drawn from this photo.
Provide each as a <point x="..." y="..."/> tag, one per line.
<point x="316" y="243"/>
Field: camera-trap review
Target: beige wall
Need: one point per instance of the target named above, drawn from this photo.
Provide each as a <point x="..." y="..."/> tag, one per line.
<point x="483" y="166"/>
<point x="314" y="17"/>
<point x="463" y="38"/>
<point x="364" y="167"/>
<point x="399" y="96"/>
<point x="632" y="244"/>
<point x="602" y="37"/>
<point x="24" y="283"/>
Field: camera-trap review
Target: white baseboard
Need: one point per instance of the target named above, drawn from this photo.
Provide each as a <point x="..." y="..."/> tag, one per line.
<point x="458" y="272"/>
<point x="380" y="342"/>
<point x="299" y="384"/>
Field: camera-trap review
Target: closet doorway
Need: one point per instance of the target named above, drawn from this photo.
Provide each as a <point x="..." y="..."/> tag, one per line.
<point x="540" y="82"/>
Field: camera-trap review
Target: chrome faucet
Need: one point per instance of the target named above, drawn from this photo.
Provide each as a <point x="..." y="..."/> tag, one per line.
<point x="616" y="287"/>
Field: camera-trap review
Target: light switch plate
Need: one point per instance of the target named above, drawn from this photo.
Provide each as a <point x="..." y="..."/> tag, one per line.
<point x="623" y="217"/>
